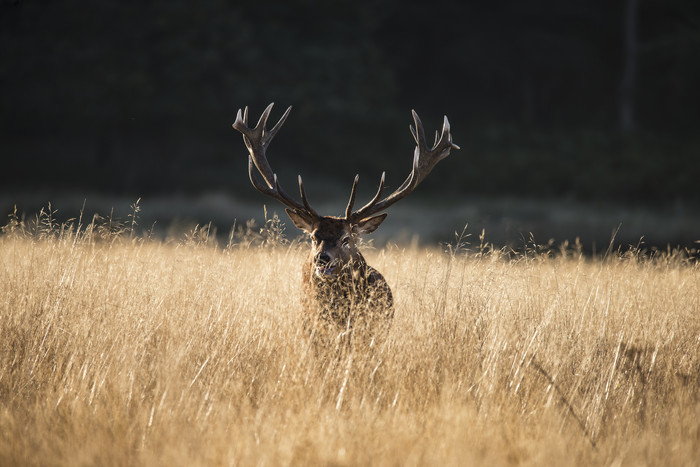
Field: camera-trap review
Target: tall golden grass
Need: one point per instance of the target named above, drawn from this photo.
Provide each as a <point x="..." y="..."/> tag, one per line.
<point x="116" y="349"/>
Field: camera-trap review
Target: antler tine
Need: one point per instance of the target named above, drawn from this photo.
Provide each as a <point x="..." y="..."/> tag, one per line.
<point x="446" y="135"/>
<point x="424" y="159"/>
<point x="379" y="190"/>
<point x="290" y="202"/>
<point x="271" y="134"/>
<point x="446" y="130"/>
<point x="262" y="121"/>
<point x="307" y="206"/>
<point x="418" y="131"/>
<point x="262" y="188"/>
<point x="257" y="140"/>
<point x="358" y="215"/>
<point x="413" y="132"/>
<point x="351" y="202"/>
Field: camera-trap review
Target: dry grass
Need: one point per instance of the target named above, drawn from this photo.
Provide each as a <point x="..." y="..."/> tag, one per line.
<point x="116" y="349"/>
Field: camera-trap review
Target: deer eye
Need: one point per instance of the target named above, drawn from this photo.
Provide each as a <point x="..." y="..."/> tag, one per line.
<point x="345" y="241"/>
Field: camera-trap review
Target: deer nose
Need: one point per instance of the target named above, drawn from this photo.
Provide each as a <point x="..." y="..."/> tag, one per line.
<point x="323" y="258"/>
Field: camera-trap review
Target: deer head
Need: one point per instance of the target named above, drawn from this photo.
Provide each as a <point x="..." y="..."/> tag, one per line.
<point x="334" y="239"/>
<point x="334" y="250"/>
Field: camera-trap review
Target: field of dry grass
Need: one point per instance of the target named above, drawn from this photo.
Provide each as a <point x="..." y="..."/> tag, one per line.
<point x="120" y="350"/>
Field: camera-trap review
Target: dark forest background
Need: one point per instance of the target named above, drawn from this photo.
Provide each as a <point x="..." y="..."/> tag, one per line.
<point x="588" y="100"/>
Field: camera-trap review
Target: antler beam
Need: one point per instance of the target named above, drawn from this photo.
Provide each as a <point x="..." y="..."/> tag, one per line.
<point x="257" y="140"/>
<point x="424" y="159"/>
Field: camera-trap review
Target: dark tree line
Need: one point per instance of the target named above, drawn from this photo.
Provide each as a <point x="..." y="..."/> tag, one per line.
<point x="586" y="99"/>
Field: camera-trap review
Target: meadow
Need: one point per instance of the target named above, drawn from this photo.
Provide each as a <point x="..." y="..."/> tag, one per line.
<point x="121" y="349"/>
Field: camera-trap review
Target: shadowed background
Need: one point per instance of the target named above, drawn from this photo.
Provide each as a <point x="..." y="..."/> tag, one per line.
<point x="572" y="117"/>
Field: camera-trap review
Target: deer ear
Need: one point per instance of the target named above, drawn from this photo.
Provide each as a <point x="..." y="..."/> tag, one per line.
<point x="369" y="225"/>
<point x="301" y="219"/>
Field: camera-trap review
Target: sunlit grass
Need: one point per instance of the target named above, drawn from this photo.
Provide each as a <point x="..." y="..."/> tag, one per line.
<point x="117" y="349"/>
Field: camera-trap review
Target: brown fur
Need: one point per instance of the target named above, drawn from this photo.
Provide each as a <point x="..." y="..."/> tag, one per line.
<point x="355" y="296"/>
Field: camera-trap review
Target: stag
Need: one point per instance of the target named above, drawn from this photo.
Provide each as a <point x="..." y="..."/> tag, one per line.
<point x="341" y="292"/>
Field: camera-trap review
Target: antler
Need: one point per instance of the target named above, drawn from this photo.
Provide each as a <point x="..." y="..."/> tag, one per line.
<point x="257" y="141"/>
<point x="424" y="160"/>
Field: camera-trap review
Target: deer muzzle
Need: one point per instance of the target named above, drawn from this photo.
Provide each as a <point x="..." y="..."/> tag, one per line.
<point x="324" y="265"/>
